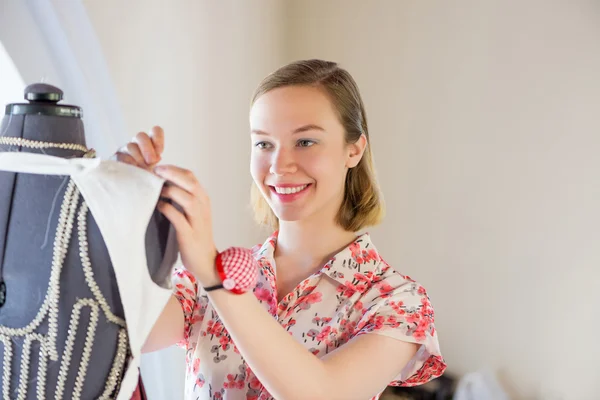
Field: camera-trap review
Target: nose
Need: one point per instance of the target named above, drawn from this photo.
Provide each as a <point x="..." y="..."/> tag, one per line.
<point x="282" y="163"/>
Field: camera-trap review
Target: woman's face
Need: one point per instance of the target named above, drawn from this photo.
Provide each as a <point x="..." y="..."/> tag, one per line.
<point x="299" y="155"/>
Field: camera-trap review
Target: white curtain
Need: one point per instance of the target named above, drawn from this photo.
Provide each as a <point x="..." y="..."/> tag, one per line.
<point x="54" y="42"/>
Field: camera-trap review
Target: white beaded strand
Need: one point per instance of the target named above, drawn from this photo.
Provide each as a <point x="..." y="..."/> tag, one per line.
<point x="42" y="369"/>
<point x="117" y="367"/>
<point x="87" y="267"/>
<point x="57" y="260"/>
<point x="49" y="308"/>
<point x="85" y="357"/>
<point x="37" y="144"/>
<point x="6" y="340"/>
<point x="72" y="333"/>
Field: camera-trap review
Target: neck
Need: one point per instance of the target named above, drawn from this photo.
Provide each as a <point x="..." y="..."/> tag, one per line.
<point x="43" y="128"/>
<point x="310" y="244"/>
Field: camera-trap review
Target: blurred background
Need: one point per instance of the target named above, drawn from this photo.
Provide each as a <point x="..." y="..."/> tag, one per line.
<point x="484" y="124"/>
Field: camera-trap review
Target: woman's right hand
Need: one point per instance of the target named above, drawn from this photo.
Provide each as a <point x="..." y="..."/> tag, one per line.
<point x="144" y="150"/>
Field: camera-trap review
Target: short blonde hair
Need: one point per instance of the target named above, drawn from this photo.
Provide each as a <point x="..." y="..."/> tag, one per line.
<point x="363" y="202"/>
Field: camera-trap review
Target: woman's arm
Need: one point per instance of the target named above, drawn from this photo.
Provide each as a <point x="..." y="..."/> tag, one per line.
<point x="357" y="370"/>
<point x="168" y="328"/>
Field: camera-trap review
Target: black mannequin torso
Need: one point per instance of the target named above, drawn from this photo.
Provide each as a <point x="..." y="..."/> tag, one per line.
<point x="29" y="212"/>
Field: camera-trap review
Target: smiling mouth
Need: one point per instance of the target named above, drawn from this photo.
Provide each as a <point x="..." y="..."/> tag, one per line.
<point x="289" y="189"/>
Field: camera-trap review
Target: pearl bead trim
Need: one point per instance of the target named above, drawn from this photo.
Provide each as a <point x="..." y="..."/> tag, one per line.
<point x="37" y="144"/>
<point x="49" y="309"/>
<point x="114" y="377"/>
<point x="87" y="267"/>
<point x="6" y="365"/>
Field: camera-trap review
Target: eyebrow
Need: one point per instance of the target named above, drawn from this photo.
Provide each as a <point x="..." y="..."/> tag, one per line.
<point x="304" y="128"/>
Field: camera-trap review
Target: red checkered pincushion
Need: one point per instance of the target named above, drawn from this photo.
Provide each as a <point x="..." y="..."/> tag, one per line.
<point x="238" y="269"/>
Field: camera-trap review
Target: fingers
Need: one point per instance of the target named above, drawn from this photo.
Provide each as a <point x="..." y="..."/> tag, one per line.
<point x="183" y="178"/>
<point x="134" y="151"/>
<point x="146" y="148"/>
<point x="178" y="220"/>
<point x="180" y="196"/>
<point x="126" y="158"/>
<point x="157" y="135"/>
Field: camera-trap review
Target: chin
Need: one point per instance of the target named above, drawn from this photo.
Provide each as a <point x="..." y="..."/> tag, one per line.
<point x="287" y="216"/>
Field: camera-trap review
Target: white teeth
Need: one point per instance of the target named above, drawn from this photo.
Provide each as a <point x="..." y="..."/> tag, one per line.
<point x="290" y="190"/>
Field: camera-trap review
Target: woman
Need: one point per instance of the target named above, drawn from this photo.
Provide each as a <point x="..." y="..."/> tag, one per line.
<point x="328" y="317"/>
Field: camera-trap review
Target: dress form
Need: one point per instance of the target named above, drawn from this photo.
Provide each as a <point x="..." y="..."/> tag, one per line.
<point x="30" y="208"/>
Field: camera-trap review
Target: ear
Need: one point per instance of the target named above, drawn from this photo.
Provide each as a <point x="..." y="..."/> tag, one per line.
<point x="356" y="151"/>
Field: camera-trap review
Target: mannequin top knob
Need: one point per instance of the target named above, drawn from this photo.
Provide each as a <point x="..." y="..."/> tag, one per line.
<point x="42" y="92"/>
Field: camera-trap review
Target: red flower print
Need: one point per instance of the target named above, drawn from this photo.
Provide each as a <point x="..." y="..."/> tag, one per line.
<point x="224" y="341"/>
<point x="361" y="288"/>
<point x="432" y="368"/>
<point x="324" y="333"/>
<point x="314" y="313"/>
<point x="289" y="312"/>
<point x="423" y="324"/>
<point x="200" y="382"/>
<point x="263" y="294"/>
<point x="361" y="278"/>
<point x="254" y="383"/>
<point x="355" y="249"/>
<point x="379" y="321"/>
<point x="230" y="384"/>
<point x="312" y="333"/>
<point x="314" y="297"/>
<point x="397" y="307"/>
<point x="413" y="317"/>
<point x="347" y="289"/>
<point x="306" y="290"/>
<point x="425" y="302"/>
<point x="419" y="335"/>
<point x="392" y="321"/>
<point x="384" y="287"/>
<point x="372" y="255"/>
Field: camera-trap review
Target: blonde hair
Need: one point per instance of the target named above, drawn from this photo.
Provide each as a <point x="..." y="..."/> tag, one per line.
<point x="363" y="202"/>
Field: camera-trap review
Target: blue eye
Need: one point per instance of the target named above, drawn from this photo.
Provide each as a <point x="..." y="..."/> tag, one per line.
<point x="262" y="145"/>
<point x="305" y="143"/>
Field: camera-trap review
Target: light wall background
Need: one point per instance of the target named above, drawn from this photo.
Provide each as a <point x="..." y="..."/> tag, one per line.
<point x="483" y="118"/>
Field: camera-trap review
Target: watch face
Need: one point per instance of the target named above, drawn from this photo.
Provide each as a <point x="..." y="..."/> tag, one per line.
<point x="228" y="284"/>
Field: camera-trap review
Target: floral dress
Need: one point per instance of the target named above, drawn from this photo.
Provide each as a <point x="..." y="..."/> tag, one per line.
<point x="355" y="293"/>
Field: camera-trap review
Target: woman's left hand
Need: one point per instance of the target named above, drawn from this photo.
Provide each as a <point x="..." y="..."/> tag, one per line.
<point x="192" y="221"/>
